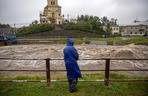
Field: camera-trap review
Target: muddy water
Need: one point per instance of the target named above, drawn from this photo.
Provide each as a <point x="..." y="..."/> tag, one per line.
<point x="85" y="51"/>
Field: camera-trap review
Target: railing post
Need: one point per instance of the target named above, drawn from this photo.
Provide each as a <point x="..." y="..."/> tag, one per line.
<point x="107" y="68"/>
<point x="48" y="72"/>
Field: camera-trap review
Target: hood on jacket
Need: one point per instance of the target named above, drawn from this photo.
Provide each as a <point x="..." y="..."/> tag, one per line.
<point x="70" y="42"/>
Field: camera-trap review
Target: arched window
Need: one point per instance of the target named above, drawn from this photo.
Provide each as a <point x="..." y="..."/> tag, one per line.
<point x="53" y="15"/>
<point x="52" y="3"/>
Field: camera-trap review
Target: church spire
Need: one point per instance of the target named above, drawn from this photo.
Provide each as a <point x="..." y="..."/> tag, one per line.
<point x="52" y="13"/>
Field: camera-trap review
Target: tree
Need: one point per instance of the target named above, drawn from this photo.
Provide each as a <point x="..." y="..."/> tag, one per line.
<point x="35" y="22"/>
<point x="85" y="23"/>
<point x="113" y="21"/>
<point x="104" y="21"/>
<point x="4" y="25"/>
<point x="108" y="29"/>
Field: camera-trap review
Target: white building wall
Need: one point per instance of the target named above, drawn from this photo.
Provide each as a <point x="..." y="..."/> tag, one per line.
<point x="115" y="30"/>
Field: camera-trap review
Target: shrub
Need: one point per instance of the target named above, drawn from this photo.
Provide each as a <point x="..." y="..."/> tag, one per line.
<point x="34" y="28"/>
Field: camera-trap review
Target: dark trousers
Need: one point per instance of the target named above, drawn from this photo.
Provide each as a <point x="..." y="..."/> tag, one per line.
<point x="73" y="85"/>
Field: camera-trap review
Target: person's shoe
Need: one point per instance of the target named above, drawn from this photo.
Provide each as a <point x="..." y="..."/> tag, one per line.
<point x="73" y="90"/>
<point x="73" y="86"/>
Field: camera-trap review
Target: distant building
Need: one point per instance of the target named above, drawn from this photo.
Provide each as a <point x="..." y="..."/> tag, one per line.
<point x="137" y="28"/>
<point x="52" y="13"/>
<point x="115" y="30"/>
<point x="6" y="29"/>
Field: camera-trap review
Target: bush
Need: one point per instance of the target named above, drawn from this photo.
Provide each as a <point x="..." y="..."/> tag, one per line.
<point x="85" y="23"/>
<point x="34" y="28"/>
<point x="87" y="42"/>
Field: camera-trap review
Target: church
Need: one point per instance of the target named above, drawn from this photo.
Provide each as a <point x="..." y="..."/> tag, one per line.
<point x="52" y="13"/>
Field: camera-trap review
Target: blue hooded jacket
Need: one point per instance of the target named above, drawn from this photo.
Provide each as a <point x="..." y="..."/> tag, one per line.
<point x="70" y="57"/>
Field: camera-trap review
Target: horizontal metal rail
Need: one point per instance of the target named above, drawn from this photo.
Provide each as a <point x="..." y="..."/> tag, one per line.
<point x="100" y="80"/>
<point x="128" y="80"/>
<point x="81" y="70"/>
<point x="79" y="59"/>
<point x="23" y="81"/>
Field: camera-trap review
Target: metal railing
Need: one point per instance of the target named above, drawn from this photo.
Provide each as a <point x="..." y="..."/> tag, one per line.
<point x="49" y="70"/>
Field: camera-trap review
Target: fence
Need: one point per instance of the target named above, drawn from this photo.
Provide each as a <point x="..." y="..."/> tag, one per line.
<point x="107" y="70"/>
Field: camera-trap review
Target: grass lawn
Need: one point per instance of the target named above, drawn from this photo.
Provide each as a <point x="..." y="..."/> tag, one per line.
<point x="112" y="40"/>
<point x="84" y="88"/>
<point x="120" y="41"/>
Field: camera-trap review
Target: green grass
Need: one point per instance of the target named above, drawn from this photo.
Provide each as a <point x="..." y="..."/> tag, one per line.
<point x="112" y="40"/>
<point x="120" y="41"/>
<point x="84" y="88"/>
<point x="136" y="40"/>
<point x="107" y="39"/>
<point x="77" y="41"/>
<point x="34" y="28"/>
<point x="57" y="76"/>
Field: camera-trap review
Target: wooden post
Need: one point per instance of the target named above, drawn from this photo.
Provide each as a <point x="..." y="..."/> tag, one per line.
<point x="48" y="71"/>
<point x="107" y="68"/>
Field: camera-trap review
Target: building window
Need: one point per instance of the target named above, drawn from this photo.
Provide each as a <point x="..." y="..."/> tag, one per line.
<point x="140" y="32"/>
<point x="131" y="33"/>
<point x="135" y="32"/>
<point x="140" y="26"/>
<point x="59" y="14"/>
<point x="141" y="29"/>
<point x="52" y="3"/>
<point x="59" y="22"/>
<point x="53" y="14"/>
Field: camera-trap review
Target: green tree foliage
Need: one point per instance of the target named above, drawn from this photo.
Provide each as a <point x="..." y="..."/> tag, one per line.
<point x="107" y="25"/>
<point x="92" y="24"/>
<point x="108" y="29"/>
<point x="35" y="22"/>
<point x="85" y="23"/>
<point x="4" y="25"/>
<point x="104" y="21"/>
<point x="34" y="28"/>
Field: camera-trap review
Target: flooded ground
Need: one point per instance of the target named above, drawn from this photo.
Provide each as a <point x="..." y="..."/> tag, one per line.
<point x="85" y="51"/>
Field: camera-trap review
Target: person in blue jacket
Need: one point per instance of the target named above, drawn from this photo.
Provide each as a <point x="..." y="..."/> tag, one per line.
<point x="73" y="72"/>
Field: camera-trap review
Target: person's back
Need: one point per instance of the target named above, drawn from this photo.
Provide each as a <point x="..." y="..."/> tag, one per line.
<point x="70" y="57"/>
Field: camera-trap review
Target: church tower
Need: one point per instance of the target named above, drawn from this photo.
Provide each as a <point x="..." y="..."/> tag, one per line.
<point x="52" y="13"/>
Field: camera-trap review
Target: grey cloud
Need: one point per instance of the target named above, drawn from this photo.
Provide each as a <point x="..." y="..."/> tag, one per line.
<point x="20" y="11"/>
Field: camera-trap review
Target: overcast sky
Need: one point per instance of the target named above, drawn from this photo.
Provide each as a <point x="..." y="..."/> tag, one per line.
<point x="25" y="11"/>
